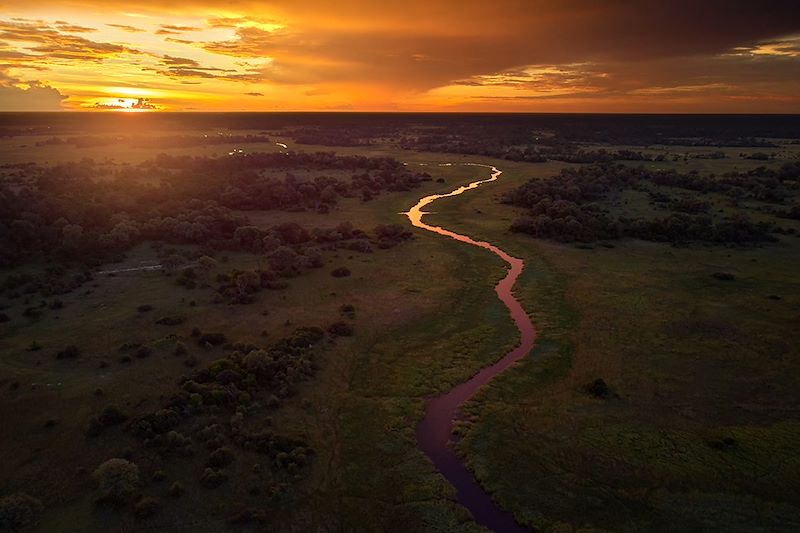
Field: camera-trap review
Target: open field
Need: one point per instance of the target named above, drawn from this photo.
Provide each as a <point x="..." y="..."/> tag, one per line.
<point x="694" y="361"/>
<point x="698" y="432"/>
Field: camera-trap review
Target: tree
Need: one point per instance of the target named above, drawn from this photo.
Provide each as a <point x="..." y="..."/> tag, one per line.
<point x="18" y="511"/>
<point x="248" y="282"/>
<point x="172" y="262"/>
<point x="206" y="264"/>
<point x="248" y="237"/>
<point x="72" y="237"/>
<point x="117" y="480"/>
<point x="283" y="260"/>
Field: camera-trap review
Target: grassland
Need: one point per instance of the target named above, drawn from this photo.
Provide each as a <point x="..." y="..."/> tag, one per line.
<point x="693" y="360"/>
<point x="358" y="413"/>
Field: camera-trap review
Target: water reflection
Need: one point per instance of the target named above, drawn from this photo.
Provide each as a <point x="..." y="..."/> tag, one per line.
<point x="435" y="429"/>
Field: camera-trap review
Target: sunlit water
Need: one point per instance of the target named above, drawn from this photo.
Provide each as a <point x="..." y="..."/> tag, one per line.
<point x="436" y="428"/>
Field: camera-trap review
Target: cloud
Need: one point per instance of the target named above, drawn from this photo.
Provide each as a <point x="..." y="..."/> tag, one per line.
<point x="125" y="27"/>
<point x="380" y="46"/>
<point x="66" y="27"/>
<point x="173" y="27"/>
<point x="389" y="53"/>
<point x="50" y="42"/>
<point x="181" y="67"/>
<point x="178" y="41"/>
<point x="36" y="97"/>
<point x="171" y="61"/>
<point x="254" y="94"/>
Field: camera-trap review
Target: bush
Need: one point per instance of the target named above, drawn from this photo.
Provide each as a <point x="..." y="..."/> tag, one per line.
<point x="144" y="308"/>
<point x="143" y="351"/>
<point x="171" y="320"/>
<point x="213" y="478"/>
<point x="214" y="339"/>
<point x="220" y="457"/>
<point x="390" y="235"/>
<point x="117" y="480"/>
<point x="112" y="416"/>
<point x="723" y="444"/>
<point x="146" y="506"/>
<point x="4" y="318"/>
<point x="176" y="489"/>
<point x="340" y="272"/>
<point x="18" y="511"/>
<point x="348" y="311"/>
<point x="70" y="352"/>
<point x="599" y="389"/>
<point x="340" y="329"/>
<point x="32" y="312"/>
<point x="723" y="276"/>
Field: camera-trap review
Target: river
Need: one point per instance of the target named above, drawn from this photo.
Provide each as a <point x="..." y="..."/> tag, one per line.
<point x="435" y="430"/>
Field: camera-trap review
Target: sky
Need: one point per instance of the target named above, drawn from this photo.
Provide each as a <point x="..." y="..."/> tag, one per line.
<point x="644" y="56"/>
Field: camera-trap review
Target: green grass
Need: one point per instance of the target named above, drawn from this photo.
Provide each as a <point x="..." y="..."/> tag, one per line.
<point x="693" y="360"/>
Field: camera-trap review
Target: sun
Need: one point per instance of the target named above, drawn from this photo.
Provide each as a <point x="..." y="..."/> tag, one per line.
<point x="125" y="105"/>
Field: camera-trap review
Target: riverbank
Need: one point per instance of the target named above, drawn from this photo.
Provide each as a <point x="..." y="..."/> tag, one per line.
<point x="434" y="432"/>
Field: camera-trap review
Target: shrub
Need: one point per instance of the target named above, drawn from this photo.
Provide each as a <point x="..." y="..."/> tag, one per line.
<point x="257" y="362"/>
<point x="143" y="351"/>
<point x="32" y="312"/>
<point x="214" y="339"/>
<point x="599" y="389"/>
<point x="220" y="457"/>
<point x="723" y="444"/>
<point x="112" y="416"/>
<point x="340" y="272"/>
<point x="18" y="511"/>
<point x="213" y="478"/>
<point x="171" y="320"/>
<point x="723" y="276"/>
<point x="340" y="329"/>
<point x="70" y="352"/>
<point x="146" y="506"/>
<point x="117" y="480"/>
<point x="144" y="308"/>
<point x="390" y="235"/>
<point x="348" y="310"/>
<point x="4" y="318"/>
<point x="176" y="489"/>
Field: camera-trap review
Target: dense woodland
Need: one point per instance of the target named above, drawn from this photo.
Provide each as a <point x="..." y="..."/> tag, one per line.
<point x="570" y="206"/>
<point x="539" y="138"/>
<point x="85" y="211"/>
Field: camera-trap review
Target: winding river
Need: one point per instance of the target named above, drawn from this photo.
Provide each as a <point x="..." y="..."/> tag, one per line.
<point x="435" y="430"/>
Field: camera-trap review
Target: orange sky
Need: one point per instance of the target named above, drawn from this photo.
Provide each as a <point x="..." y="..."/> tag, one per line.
<point x="504" y="55"/>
